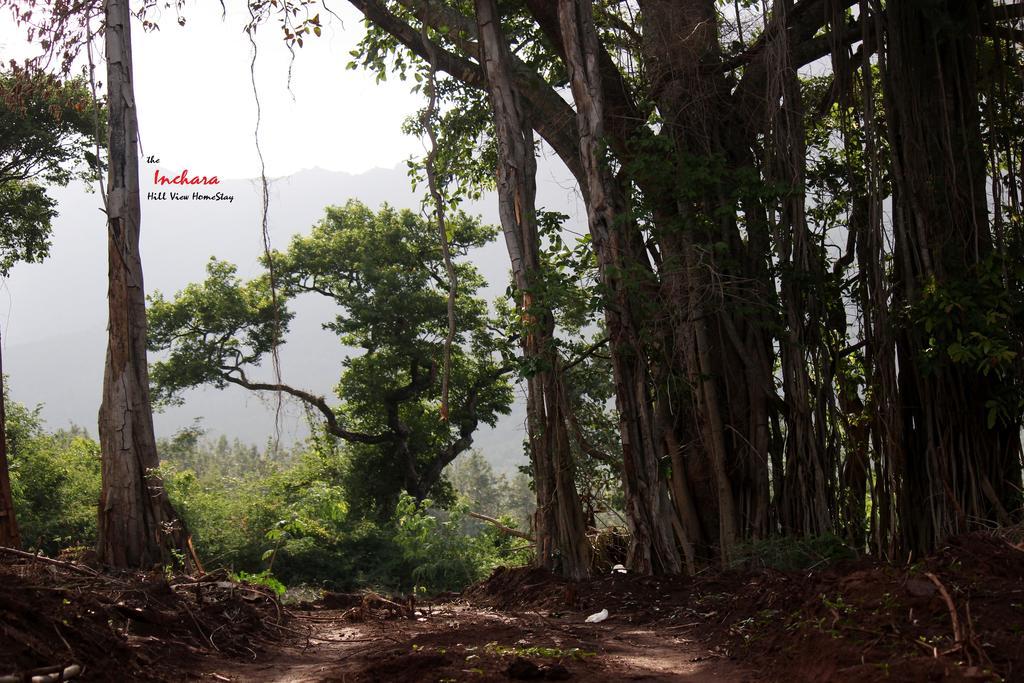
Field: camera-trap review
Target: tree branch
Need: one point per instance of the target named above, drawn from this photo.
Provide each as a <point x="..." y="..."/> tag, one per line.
<point x="622" y="117"/>
<point x="551" y="116"/>
<point x="590" y="351"/>
<point x="318" y="402"/>
<point x="803" y="21"/>
<point x="459" y="67"/>
<point x="1008" y="12"/>
<point x="469" y="420"/>
<point x="501" y="527"/>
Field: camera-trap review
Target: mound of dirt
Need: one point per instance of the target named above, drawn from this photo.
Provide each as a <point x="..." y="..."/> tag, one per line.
<point x="956" y="615"/>
<point x="124" y="626"/>
<point x="855" y="621"/>
<point x="633" y="599"/>
<point x="36" y="622"/>
<point x="522" y="587"/>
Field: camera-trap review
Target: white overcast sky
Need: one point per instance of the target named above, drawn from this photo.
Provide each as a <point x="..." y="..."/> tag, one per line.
<point x="197" y="109"/>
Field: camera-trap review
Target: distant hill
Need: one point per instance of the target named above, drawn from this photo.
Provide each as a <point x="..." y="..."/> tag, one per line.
<point x="54" y="337"/>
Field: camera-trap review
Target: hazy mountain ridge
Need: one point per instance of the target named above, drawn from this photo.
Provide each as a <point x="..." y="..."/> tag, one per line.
<point x="54" y="338"/>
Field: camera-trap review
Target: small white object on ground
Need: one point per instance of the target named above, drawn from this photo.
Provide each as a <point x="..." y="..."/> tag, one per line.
<point x="618" y="569"/>
<point x="598" y="617"/>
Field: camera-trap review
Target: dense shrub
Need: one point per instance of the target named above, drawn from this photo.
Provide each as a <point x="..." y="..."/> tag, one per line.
<point x="267" y="515"/>
<point x="55" y="481"/>
<point x="296" y="523"/>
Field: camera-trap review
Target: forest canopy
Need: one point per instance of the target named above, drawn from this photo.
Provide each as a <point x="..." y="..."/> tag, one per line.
<point x="795" y="310"/>
<point x="385" y="274"/>
<point x="780" y="352"/>
<point x="806" y="217"/>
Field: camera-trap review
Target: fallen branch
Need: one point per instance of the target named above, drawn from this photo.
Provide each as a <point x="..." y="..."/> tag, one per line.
<point x="370" y="597"/>
<point x="958" y="634"/>
<point x="501" y="527"/>
<point x="235" y="586"/>
<point x="40" y="558"/>
<point x="525" y="546"/>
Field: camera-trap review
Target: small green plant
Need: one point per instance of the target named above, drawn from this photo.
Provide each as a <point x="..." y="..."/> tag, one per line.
<point x="838" y="604"/>
<point x="264" y="578"/>
<point x="889" y="602"/>
<point x="537" y="651"/>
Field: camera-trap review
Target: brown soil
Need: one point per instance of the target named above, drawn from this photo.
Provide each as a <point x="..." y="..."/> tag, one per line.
<point x="457" y="642"/>
<point x="863" y="621"/>
<point x="856" y="621"/>
<point x="126" y="626"/>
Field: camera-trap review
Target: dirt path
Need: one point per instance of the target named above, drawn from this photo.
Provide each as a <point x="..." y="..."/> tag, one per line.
<point x="454" y="642"/>
<point x="856" y="621"/>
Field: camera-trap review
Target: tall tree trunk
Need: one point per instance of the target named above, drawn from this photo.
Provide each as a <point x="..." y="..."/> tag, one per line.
<point x="958" y="470"/>
<point x="804" y="502"/>
<point x="562" y="544"/>
<point x="709" y="402"/>
<point x="137" y="525"/>
<point x="873" y="298"/>
<point x="10" y="537"/>
<point x="695" y="211"/>
<point x="648" y="509"/>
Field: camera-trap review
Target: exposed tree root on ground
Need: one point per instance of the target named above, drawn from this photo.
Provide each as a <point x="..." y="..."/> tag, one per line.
<point x="957" y="615"/>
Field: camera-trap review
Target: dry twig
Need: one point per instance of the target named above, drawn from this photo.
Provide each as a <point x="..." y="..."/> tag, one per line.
<point x="957" y="631"/>
<point x="58" y="563"/>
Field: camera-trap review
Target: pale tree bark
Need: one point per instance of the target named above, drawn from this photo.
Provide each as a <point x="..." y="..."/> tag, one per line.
<point x="648" y="508"/>
<point x="137" y="525"/>
<point x="804" y="501"/>
<point x="560" y="529"/>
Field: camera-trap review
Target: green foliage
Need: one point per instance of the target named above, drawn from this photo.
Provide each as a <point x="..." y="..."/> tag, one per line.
<point x="384" y="270"/>
<point x="292" y="523"/>
<point x="237" y="521"/>
<point x="264" y="578"/>
<point x="47" y="129"/>
<point x="190" y="449"/>
<point x="221" y="323"/>
<point x="489" y="493"/>
<point x="55" y="481"/>
<point x="974" y="322"/>
<point x="437" y="552"/>
<point x="26" y="213"/>
<point x="573" y="653"/>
